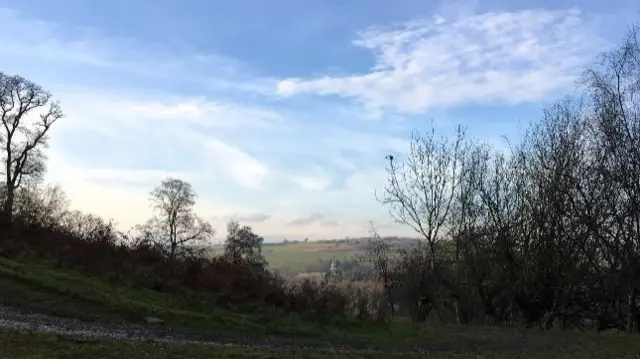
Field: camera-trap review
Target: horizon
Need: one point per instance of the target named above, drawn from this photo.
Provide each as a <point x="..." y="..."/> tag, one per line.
<point x="280" y="115"/>
<point x="275" y="240"/>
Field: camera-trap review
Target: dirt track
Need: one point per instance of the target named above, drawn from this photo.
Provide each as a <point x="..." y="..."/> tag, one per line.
<point x="82" y="332"/>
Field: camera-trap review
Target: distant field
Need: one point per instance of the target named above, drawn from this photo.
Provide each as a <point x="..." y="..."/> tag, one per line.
<point x="298" y="256"/>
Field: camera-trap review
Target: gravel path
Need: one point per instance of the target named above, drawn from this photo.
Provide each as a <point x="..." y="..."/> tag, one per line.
<point x="78" y="331"/>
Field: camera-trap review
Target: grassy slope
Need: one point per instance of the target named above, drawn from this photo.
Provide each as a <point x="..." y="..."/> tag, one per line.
<point x="37" y="286"/>
<point x="41" y="288"/>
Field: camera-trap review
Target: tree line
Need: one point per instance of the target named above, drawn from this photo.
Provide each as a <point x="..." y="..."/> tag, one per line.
<point x="545" y="233"/>
<point x="27" y="113"/>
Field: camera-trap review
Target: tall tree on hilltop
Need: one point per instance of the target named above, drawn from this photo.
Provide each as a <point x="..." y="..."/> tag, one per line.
<point x="175" y="223"/>
<point x="26" y="113"/>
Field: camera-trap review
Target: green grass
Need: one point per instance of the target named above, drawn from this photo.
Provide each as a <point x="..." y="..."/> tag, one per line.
<point x="298" y="256"/>
<point x="40" y="287"/>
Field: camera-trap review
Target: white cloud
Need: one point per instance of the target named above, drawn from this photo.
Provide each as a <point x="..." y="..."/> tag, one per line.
<point x="257" y="217"/>
<point x="147" y="122"/>
<point x="118" y="113"/>
<point x="314" y="178"/>
<point x="244" y="169"/>
<point x="501" y="56"/>
<point x="189" y="109"/>
<point x="112" y="176"/>
<point x="288" y="87"/>
<point x="306" y="220"/>
<point x="206" y="113"/>
<point x="312" y="183"/>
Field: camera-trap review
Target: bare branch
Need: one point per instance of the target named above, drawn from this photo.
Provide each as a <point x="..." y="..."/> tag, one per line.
<point x="22" y="141"/>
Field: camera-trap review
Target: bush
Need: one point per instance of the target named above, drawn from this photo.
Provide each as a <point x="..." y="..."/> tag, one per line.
<point x="88" y="244"/>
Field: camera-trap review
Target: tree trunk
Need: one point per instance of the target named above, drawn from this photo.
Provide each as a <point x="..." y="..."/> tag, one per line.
<point x="7" y="208"/>
<point x="463" y="316"/>
<point x="392" y="306"/>
<point x="631" y="310"/>
<point x="173" y="250"/>
<point x="456" y="306"/>
<point x="422" y="310"/>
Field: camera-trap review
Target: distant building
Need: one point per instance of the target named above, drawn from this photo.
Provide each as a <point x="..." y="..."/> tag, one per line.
<point x="333" y="270"/>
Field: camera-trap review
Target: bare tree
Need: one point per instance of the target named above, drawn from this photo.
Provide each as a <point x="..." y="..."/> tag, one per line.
<point x="613" y="87"/>
<point x="175" y="223"/>
<point x="43" y="205"/>
<point x="380" y="256"/>
<point x="466" y="232"/>
<point x="27" y="114"/>
<point x="547" y="233"/>
<point x="420" y="192"/>
<point x="89" y="227"/>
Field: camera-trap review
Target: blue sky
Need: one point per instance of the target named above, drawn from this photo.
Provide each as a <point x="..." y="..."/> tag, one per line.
<point x="280" y="112"/>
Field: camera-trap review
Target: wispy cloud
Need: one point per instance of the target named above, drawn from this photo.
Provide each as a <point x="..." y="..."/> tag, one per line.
<point x="115" y="129"/>
<point x="243" y="168"/>
<point x="507" y="57"/>
<point x="250" y="217"/>
<point x="112" y="177"/>
<point x="119" y="112"/>
<point x="313" y="183"/>
<point x="313" y="179"/>
<point x="206" y="113"/>
<point x="306" y="220"/>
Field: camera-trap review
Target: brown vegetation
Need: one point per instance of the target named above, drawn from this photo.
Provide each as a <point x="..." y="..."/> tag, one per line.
<point x="43" y="229"/>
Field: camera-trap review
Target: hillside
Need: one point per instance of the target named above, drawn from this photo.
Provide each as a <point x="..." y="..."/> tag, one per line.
<point x="37" y="286"/>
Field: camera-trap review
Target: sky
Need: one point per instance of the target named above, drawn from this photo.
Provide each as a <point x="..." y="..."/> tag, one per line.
<point x="280" y="112"/>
